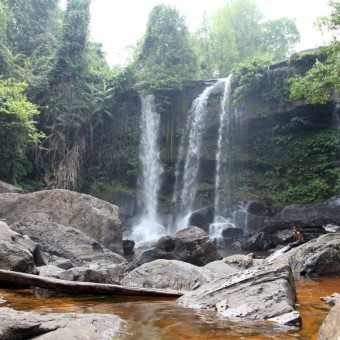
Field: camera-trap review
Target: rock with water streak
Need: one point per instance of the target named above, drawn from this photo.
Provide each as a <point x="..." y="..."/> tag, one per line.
<point x="28" y="325"/>
<point x="262" y="292"/>
<point x="165" y="274"/>
<point x="330" y="328"/>
<point x="318" y="257"/>
<point x="96" y="218"/>
<point x="190" y="245"/>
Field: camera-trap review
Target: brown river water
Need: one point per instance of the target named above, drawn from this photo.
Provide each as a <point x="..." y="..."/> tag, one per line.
<point x="163" y="318"/>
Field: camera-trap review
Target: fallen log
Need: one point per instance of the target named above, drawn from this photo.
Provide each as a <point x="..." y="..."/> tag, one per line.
<point x="73" y="287"/>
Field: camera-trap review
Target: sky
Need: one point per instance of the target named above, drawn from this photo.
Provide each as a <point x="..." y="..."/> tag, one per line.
<point x="119" y="23"/>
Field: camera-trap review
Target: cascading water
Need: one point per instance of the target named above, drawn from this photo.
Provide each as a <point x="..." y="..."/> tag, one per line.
<point x="189" y="158"/>
<point x="221" y="178"/>
<point x="223" y="146"/>
<point x="149" y="228"/>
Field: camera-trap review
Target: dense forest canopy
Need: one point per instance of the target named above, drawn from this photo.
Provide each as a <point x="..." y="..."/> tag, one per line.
<point x="63" y="124"/>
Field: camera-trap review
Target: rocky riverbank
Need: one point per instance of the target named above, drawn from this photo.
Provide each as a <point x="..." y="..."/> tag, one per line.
<point x="75" y="237"/>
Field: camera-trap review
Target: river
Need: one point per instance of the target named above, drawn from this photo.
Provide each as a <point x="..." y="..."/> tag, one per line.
<point x="163" y="319"/>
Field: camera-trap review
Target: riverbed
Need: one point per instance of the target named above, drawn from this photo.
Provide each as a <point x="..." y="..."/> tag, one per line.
<point x="163" y="318"/>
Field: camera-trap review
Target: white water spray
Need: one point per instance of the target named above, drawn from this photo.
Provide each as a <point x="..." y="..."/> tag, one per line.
<point x="149" y="228"/>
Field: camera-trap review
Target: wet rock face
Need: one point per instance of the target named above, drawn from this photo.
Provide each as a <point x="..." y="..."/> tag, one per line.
<point x="263" y="292"/>
<point x="96" y="218"/>
<point x="27" y="325"/>
<point x="190" y="245"/>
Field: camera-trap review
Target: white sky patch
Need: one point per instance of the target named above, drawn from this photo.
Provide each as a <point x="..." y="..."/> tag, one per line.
<point x="118" y="24"/>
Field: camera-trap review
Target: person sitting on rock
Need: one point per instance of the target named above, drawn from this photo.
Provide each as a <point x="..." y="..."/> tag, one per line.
<point x="297" y="240"/>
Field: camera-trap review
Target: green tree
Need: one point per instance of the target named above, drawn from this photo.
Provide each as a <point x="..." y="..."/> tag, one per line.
<point x="245" y="18"/>
<point x="224" y="43"/>
<point x="237" y="32"/>
<point x="67" y="110"/>
<point x="320" y="82"/>
<point x="165" y="57"/>
<point x="279" y="36"/>
<point x="18" y="131"/>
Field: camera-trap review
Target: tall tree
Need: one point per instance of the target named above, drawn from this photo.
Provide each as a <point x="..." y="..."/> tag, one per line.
<point x="279" y="36"/>
<point x="224" y="44"/>
<point x="202" y="45"/>
<point x="67" y="109"/>
<point x="237" y="32"/>
<point x="29" y="18"/>
<point x="165" y="57"/>
<point x="18" y="132"/>
<point x="323" y="79"/>
<point x="245" y="18"/>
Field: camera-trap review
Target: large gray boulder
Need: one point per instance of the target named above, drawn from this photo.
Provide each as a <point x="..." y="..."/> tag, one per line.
<point x="330" y="328"/>
<point x="16" y="251"/>
<point x="262" y="292"/>
<point x="190" y="245"/>
<point x="96" y="218"/>
<point x="65" y="242"/>
<point x="5" y="187"/>
<point x="232" y="264"/>
<point x="28" y="325"/>
<point x="318" y="257"/>
<point x="165" y="274"/>
<point x="312" y="214"/>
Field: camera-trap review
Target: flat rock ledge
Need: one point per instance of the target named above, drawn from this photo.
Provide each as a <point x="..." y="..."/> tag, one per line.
<point x="28" y="325"/>
<point x="260" y="293"/>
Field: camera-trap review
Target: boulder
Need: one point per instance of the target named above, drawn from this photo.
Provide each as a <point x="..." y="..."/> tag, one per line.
<point x="190" y="245"/>
<point x="128" y="247"/>
<point x="232" y="264"/>
<point x="312" y="214"/>
<point x="262" y="292"/>
<point x="165" y="274"/>
<point x="5" y="187"/>
<point x="330" y="328"/>
<point x="331" y="300"/>
<point x="318" y="257"/>
<point x="202" y="218"/>
<point x="110" y="275"/>
<point x="64" y="242"/>
<point x="28" y="325"/>
<point x="16" y="251"/>
<point x="96" y="218"/>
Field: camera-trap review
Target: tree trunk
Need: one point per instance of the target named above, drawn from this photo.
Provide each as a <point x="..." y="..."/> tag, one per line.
<point x="72" y="287"/>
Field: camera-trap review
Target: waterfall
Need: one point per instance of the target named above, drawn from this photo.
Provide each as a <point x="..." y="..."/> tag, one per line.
<point x="221" y="221"/>
<point x="223" y="146"/>
<point x="149" y="228"/>
<point x="188" y="160"/>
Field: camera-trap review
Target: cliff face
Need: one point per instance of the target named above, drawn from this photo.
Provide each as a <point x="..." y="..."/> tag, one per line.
<point x="282" y="150"/>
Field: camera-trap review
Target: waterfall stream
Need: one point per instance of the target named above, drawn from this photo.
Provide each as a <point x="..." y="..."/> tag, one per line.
<point x="148" y="227"/>
<point x="223" y="146"/>
<point x="189" y="158"/>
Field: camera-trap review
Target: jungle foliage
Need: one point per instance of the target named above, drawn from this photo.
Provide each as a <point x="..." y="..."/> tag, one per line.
<point x="69" y="120"/>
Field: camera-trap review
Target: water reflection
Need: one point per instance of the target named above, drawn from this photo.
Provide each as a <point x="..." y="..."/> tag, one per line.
<point x="162" y="318"/>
